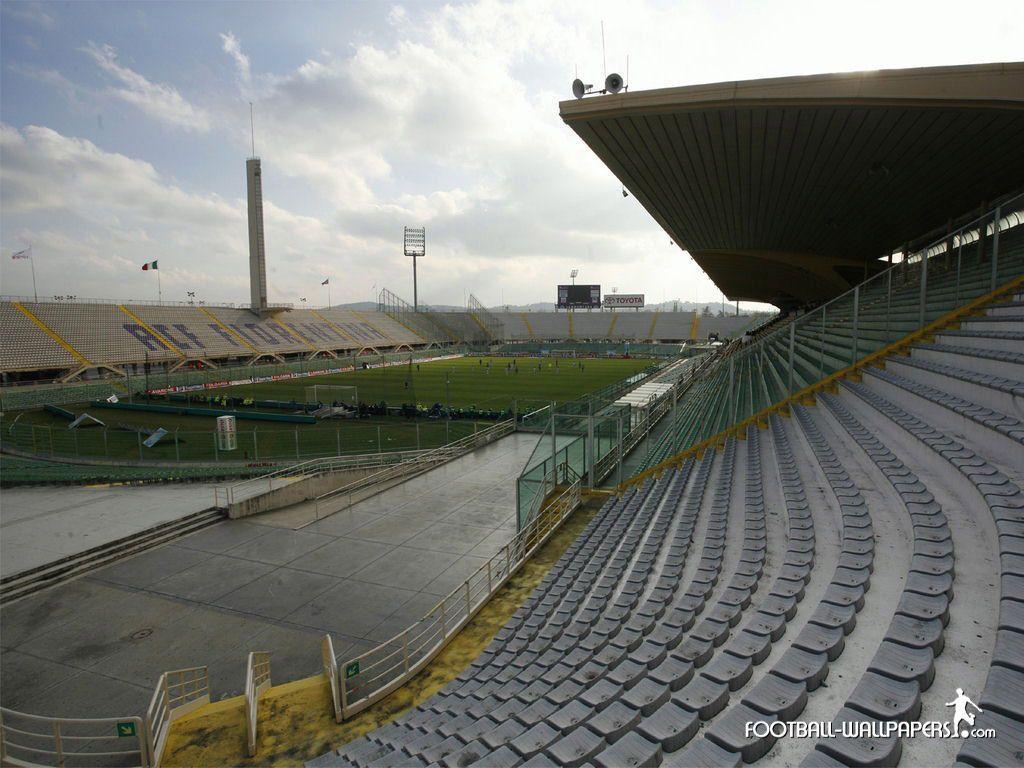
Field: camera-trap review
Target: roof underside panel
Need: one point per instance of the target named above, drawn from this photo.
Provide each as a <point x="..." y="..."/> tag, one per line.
<point x="839" y="183"/>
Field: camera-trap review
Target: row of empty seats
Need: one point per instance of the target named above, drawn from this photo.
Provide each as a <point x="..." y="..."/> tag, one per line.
<point x="805" y="572"/>
<point x="24" y="346"/>
<point x="113" y="334"/>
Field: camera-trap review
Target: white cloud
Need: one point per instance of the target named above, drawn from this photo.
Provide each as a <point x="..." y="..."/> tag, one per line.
<point x="233" y="48"/>
<point x="94" y="217"/>
<point x="34" y="13"/>
<point x="52" y="78"/>
<point x="160" y="101"/>
<point x="446" y="117"/>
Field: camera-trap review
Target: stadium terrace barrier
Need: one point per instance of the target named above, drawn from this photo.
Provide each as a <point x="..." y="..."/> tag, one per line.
<point x="182" y="410"/>
<point x="186" y="381"/>
<point x="27" y="740"/>
<point x="328" y="502"/>
<point x="400" y="463"/>
<point x="19" y="396"/>
<point x="224" y="497"/>
<point x="594" y="402"/>
<point x="257" y="680"/>
<point x="370" y="676"/>
<point x="903" y="299"/>
<point x="177" y="693"/>
<point x="255" y="447"/>
<point x="605" y="436"/>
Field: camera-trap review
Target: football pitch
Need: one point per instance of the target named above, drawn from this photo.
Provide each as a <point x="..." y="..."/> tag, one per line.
<point x="478" y="383"/>
<point x="486" y="383"/>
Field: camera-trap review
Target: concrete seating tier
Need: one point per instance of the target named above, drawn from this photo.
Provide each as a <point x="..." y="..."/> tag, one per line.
<point x="24" y="346"/>
<point x="133" y="334"/>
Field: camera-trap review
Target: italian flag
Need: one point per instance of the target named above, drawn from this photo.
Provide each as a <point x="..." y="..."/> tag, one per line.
<point x="148" y="266"/>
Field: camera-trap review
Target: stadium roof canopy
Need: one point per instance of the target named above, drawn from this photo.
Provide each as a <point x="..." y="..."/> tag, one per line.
<point x="788" y="190"/>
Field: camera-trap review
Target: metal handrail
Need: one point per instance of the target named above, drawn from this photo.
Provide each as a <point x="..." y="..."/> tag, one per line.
<point x="330" y="667"/>
<point x="967" y="234"/>
<point x="420" y="462"/>
<point x="49" y="745"/>
<point x="177" y="693"/>
<point x="377" y="672"/>
<point x="257" y="680"/>
<point x="224" y="496"/>
<point x="877" y="312"/>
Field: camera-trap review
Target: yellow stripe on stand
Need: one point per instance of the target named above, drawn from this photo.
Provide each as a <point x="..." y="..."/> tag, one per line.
<point x="229" y="331"/>
<point x="654" y="322"/>
<point x="526" y="322"/>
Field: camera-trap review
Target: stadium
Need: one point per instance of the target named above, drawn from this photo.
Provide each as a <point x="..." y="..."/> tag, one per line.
<point x="411" y="535"/>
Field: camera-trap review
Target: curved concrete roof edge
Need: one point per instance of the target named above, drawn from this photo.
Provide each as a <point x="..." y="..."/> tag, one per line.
<point x="974" y="85"/>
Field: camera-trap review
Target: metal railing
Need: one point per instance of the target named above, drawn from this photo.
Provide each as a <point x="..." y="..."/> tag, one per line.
<point x="257" y="680"/>
<point x="927" y="284"/>
<point x="177" y="693"/>
<point x="69" y="742"/>
<point x="225" y="496"/>
<point x="330" y="667"/>
<point x="372" y="675"/>
<point x="29" y="740"/>
<point x="333" y="501"/>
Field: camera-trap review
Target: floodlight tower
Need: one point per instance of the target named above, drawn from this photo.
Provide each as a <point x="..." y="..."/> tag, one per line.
<point x="415" y="242"/>
<point x="573" y="275"/>
<point x="257" y="253"/>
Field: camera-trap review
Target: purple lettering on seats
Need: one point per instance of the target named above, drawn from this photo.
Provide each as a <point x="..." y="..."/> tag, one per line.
<point x="193" y="339"/>
<point x="241" y="332"/>
<point x="140" y="333"/>
<point x="373" y="332"/>
<point x="224" y="334"/>
<point x="317" y="330"/>
<point x="163" y="331"/>
<point x="261" y="333"/>
<point x="282" y="330"/>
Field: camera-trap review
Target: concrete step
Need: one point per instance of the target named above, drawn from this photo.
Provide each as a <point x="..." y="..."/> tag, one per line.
<point x="1006" y="308"/>
<point x="45" y="576"/>
<point x="1006" y="341"/>
<point x="1007" y="322"/>
<point x="1001" y="363"/>
<point x="995" y="392"/>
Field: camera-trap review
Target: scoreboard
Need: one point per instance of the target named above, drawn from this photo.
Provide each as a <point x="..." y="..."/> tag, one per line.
<point x="579" y="296"/>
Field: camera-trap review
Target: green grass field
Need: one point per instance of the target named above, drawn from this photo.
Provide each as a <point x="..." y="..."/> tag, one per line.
<point x="483" y="383"/>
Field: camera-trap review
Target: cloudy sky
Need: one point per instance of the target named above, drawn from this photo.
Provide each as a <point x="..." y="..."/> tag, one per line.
<point x="124" y="128"/>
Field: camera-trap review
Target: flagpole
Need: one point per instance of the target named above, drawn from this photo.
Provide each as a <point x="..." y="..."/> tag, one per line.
<point x="159" y="289"/>
<point x="32" y="263"/>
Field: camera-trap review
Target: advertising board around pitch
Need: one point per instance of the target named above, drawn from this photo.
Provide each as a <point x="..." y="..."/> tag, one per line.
<point x="631" y="300"/>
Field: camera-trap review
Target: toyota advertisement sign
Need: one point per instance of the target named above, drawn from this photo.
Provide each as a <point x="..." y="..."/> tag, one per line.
<point x="631" y="300"/>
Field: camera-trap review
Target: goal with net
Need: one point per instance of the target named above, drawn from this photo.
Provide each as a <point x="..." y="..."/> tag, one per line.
<point x="329" y="394"/>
